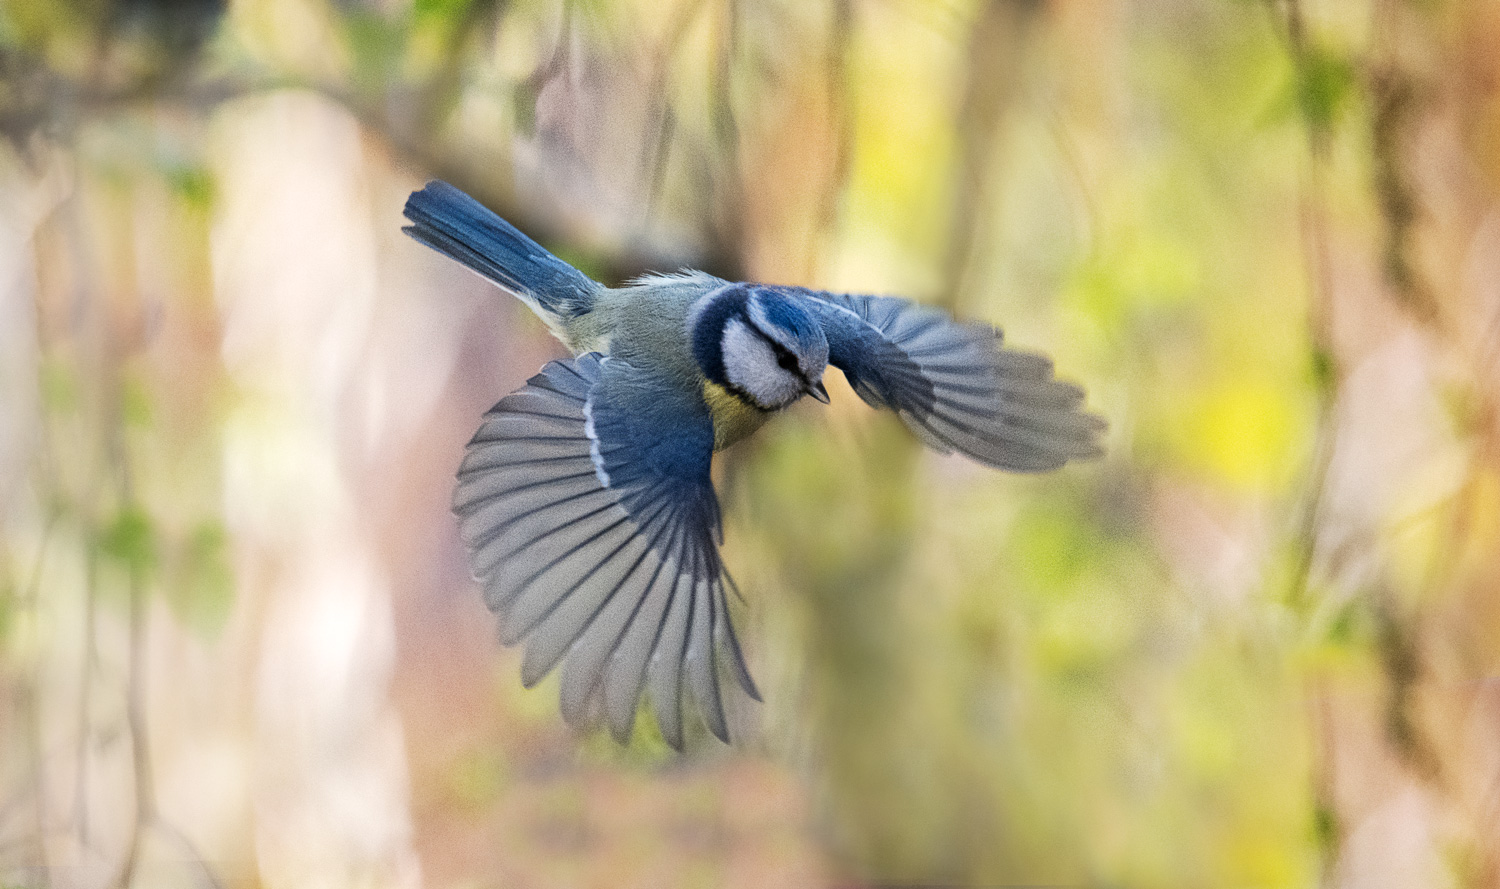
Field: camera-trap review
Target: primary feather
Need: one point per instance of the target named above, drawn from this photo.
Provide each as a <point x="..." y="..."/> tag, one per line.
<point x="955" y="387"/>
<point x="597" y="550"/>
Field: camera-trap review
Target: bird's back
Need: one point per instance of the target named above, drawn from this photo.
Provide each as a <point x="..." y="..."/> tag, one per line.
<point x="646" y="324"/>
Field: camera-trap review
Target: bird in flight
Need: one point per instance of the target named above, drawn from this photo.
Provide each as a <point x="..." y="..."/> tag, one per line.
<point x="585" y="498"/>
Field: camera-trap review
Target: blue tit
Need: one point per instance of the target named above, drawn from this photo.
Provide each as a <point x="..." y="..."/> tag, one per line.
<point x="585" y="498"/>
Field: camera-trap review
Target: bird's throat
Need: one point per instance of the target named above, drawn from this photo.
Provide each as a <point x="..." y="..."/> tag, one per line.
<point x="734" y="417"/>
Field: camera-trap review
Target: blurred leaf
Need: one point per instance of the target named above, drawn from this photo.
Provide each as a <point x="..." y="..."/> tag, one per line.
<point x="440" y="11"/>
<point x="136" y="400"/>
<point x="192" y="183"/>
<point x="1051" y="547"/>
<point x="1243" y="431"/>
<point x="130" y="539"/>
<point x="1138" y="274"/>
<point x="378" y="46"/>
<point x="475" y="778"/>
<point x="7" y="607"/>
<point x="59" y="385"/>
<point x="1319" y="91"/>
<point x="1327" y="82"/>
<point x="202" y="596"/>
<point x="1324" y="370"/>
<point x="1348" y="625"/>
<point x="1326" y="828"/>
<point x="50" y="26"/>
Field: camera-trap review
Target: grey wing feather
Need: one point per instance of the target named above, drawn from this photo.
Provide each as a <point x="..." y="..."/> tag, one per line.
<point x="955" y="386"/>
<point x="664" y="671"/>
<point x="638" y="639"/>
<point x="598" y="557"/>
<point x="698" y="667"/>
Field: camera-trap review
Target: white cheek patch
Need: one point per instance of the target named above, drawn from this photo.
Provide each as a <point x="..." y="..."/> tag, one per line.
<point x="751" y="366"/>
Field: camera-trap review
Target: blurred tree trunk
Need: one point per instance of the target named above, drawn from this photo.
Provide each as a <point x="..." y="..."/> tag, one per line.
<point x="905" y="797"/>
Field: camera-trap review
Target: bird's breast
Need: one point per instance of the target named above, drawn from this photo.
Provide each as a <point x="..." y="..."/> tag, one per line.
<point x="733" y="418"/>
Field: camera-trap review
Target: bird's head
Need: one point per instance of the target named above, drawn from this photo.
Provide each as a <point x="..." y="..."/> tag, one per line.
<point x="757" y="342"/>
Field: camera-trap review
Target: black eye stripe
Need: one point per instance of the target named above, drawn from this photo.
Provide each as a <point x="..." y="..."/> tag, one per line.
<point x="785" y="359"/>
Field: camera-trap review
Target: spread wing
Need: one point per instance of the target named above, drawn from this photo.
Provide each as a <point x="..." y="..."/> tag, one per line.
<point x="955" y="386"/>
<point x="586" y="503"/>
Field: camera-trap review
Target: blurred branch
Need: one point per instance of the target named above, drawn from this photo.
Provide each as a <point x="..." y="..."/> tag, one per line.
<point x="1326" y="374"/>
<point x="725" y="208"/>
<point x="869" y="653"/>
<point x="657" y="156"/>
<point x="46" y="101"/>
<point x="530" y="89"/>
<point x="90" y="662"/>
<point x="658" y="150"/>
<point x="135" y="720"/>
<point x="1401" y="659"/>
<point x="191" y="850"/>
<point x="1396" y="109"/>
<point x="616" y="263"/>
<point x="996" y="57"/>
<point x="446" y="84"/>
<point x="1328" y="826"/>
<point x="26" y="703"/>
<point x="1071" y="154"/>
<point x="143" y="782"/>
<point x="841" y="111"/>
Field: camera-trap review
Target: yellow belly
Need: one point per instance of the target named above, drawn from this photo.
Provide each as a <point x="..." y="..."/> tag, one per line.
<point x="733" y="418"/>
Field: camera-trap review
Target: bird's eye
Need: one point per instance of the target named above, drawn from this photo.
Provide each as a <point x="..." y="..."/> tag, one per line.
<point x="786" y="360"/>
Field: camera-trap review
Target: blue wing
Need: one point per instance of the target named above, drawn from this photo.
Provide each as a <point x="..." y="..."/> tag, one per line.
<point x="954" y="385"/>
<point x="586" y="503"/>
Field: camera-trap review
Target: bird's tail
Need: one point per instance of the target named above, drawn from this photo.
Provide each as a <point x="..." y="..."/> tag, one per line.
<point x="457" y="226"/>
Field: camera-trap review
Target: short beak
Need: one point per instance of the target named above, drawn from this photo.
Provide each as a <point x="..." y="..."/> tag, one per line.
<point x="817" y="391"/>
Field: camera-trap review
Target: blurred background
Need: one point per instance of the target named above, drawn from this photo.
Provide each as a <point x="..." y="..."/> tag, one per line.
<point x="1256" y="646"/>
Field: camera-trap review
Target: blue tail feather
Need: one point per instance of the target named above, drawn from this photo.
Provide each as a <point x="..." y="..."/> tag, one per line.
<point x="461" y="228"/>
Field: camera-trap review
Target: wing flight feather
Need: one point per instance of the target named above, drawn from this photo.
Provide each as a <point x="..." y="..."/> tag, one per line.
<point x="594" y="531"/>
<point x="954" y="384"/>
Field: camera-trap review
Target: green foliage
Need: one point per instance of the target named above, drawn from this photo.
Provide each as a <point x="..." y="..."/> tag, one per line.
<point x="377" y="46"/>
<point x="58" y="386"/>
<point x="130" y="540"/>
<point x="193" y="184"/>
<point x="1326" y="83"/>
<point x="202" y="590"/>
<point x="444" y="11"/>
<point x="136" y="397"/>
<point x="8" y="597"/>
<point x="476" y="778"/>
